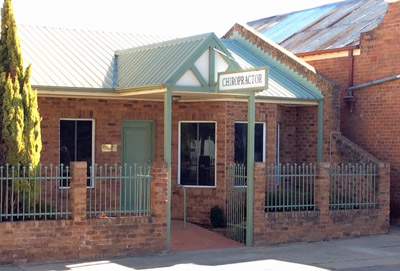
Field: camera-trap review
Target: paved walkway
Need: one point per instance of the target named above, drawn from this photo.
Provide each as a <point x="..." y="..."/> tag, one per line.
<point x="197" y="238"/>
<point x="374" y="253"/>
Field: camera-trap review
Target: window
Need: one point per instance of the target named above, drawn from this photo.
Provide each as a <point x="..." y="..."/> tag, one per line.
<point x="76" y="144"/>
<point x="197" y="154"/>
<point x="241" y="142"/>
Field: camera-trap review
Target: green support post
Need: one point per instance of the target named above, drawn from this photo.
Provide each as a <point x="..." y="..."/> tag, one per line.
<point x="250" y="168"/>
<point x="167" y="157"/>
<point x="320" y="139"/>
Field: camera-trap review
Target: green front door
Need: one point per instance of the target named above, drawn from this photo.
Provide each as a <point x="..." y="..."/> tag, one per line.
<point x="137" y="151"/>
<point x="138" y="142"/>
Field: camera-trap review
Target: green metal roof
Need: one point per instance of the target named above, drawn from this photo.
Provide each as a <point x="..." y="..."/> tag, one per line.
<point x="88" y="61"/>
<point x="74" y="58"/>
<point x="283" y="82"/>
<point x="164" y="63"/>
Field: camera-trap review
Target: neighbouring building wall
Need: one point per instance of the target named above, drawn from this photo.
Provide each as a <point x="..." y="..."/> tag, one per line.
<point x="373" y="124"/>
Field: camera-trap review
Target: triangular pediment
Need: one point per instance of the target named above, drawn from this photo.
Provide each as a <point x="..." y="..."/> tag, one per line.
<point x="189" y="64"/>
<point x="203" y="65"/>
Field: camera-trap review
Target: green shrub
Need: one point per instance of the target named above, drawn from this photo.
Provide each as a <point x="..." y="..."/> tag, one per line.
<point x="217" y="217"/>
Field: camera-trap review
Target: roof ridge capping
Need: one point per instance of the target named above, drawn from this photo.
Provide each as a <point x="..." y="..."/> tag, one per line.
<point x="165" y="43"/>
<point x="270" y="42"/>
<point x="242" y="29"/>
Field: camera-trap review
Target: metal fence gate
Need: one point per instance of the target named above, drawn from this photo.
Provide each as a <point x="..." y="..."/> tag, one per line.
<point x="236" y="191"/>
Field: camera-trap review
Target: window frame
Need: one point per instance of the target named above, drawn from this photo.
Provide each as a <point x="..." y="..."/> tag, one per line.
<point x="93" y="146"/>
<point x="264" y="136"/>
<point x="179" y="154"/>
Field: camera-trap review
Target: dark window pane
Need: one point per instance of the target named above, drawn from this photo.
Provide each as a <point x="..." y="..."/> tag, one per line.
<point x="197" y="165"/>
<point x="84" y="142"/>
<point x="75" y="144"/>
<point x="189" y="153"/>
<point x="67" y="142"/>
<point x="241" y="143"/>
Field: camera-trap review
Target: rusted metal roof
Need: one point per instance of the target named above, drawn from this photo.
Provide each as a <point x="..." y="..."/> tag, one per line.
<point x="326" y="27"/>
<point x="75" y="58"/>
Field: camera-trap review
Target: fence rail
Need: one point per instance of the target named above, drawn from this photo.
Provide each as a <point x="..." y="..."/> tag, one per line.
<point x="290" y="188"/>
<point x="353" y="186"/>
<point x="119" y="190"/>
<point x="32" y="193"/>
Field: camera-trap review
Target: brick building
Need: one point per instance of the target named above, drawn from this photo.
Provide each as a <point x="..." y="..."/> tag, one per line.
<point x="353" y="42"/>
<point x="110" y="99"/>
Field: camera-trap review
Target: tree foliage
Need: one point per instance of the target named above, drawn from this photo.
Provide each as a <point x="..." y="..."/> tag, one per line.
<point x="20" y="140"/>
<point x="21" y="136"/>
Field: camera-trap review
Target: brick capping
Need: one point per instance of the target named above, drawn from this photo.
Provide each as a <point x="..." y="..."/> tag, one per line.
<point x="346" y="151"/>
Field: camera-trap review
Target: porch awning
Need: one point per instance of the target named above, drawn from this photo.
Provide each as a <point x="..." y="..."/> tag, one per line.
<point x="283" y="83"/>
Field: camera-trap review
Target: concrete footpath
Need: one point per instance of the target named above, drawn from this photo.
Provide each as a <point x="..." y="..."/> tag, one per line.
<point x="365" y="253"/>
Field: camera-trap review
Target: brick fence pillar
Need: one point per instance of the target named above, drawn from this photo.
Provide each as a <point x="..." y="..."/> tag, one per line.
<point x="322" y="188"/>
<point x="77" y="202"/>
<point x="159" y="189"/>
<point x="383" y="194"/>
<point x="259" y="202"/>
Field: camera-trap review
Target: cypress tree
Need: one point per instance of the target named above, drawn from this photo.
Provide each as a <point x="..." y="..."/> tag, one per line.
<point x="21" y="138"/>
<point x="20" y="141"/>
<point x="32" y="135"/>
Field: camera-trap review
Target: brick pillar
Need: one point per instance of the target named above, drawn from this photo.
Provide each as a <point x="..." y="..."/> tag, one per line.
<point x="259" y="202"/>
<point x="159" y="189"/>
<point x="383" y="194"/>
<point x="77" y="202"/>
<point x="322" y="188"/>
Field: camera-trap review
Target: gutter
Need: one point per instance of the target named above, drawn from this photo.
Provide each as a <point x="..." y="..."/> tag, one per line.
<point x="335" y="50"/>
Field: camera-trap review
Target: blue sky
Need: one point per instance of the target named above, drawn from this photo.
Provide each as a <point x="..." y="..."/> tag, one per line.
<point x="168" y="17"/>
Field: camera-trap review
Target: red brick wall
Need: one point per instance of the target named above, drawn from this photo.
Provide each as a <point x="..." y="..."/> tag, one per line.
<point x="274" y="228"/>
<point x="338" y="70"/>
<point x="328" y="87"/>
<point x="373" y="123"/>
<point x="109" y="113"/>
<point x="298" y="134"/>
<point x="82" y="238"/>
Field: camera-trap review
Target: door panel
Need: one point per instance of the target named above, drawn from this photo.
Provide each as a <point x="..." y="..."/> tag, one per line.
<point x="137" y="150"/>
<point x="137" y="141"/>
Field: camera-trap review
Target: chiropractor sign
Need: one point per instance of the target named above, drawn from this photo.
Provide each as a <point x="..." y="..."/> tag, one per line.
<point x="236" y="81"/>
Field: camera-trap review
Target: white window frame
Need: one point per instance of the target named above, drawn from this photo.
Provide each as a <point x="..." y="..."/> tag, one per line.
<point x="179" y="154"/>
<point x="93" y="145"/>
<point x="264" y="136"/>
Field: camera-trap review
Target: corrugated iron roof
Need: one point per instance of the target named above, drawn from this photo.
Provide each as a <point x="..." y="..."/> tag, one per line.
<point x="94" y="60"/>
<point x="282" y="82"/>
<point x="326" y="27"/>
<point x="75" y="58"/>
<point x="156" y="63"/>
